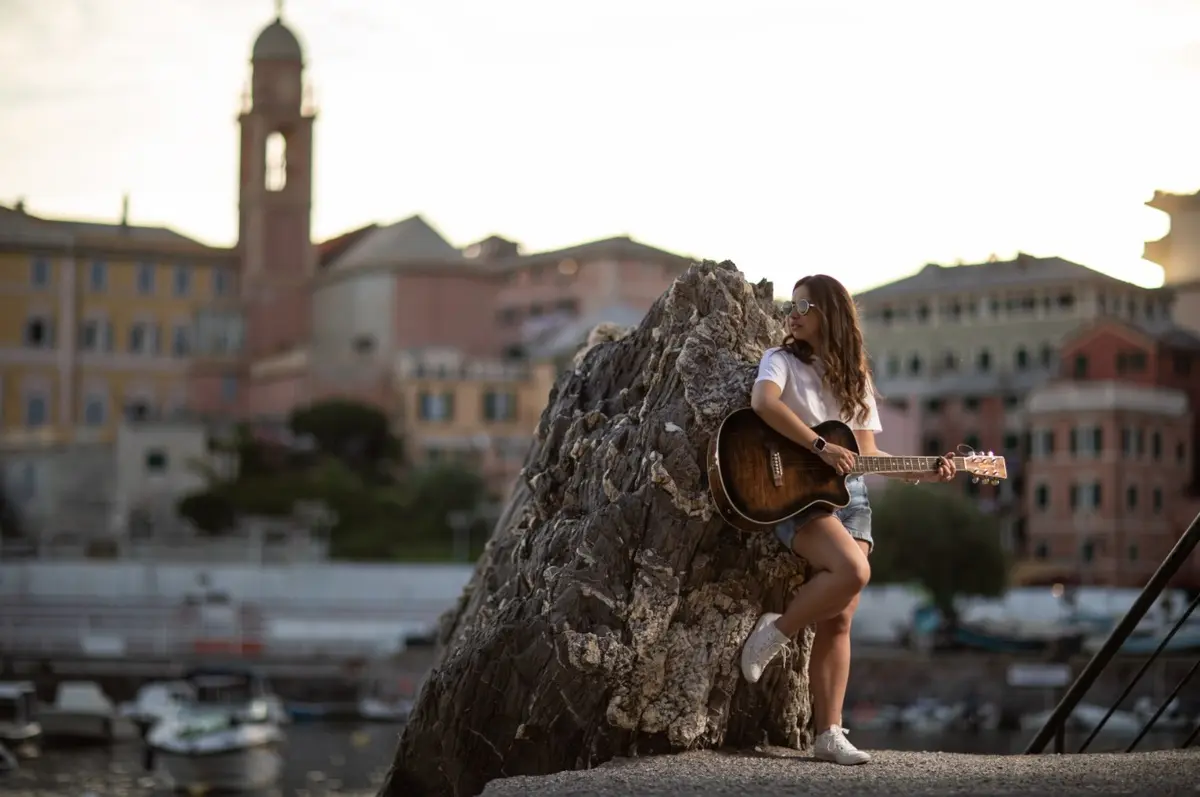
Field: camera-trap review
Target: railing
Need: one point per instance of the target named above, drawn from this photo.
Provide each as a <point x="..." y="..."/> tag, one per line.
<point x="1055" y="726"/>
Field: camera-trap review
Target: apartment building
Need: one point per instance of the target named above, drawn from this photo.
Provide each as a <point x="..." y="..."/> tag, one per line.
<point x="479" y="412"/>
<point x="963" y="346"/>
<point x="1178" y="252"/>
<point x="95" y="321"/>
<point x="1112" y="470"/>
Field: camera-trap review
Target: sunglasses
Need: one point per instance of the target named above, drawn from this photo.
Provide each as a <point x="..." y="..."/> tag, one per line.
<point x="799" y="308"/>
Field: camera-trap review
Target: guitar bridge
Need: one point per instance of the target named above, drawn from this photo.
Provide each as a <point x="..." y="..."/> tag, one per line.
<point x="776" y="460"/>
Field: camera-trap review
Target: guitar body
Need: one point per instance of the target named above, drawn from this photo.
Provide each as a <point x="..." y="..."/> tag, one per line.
<point x="759" y="478"/>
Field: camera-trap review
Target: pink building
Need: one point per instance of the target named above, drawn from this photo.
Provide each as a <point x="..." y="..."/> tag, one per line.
<point x="314" y="321"/>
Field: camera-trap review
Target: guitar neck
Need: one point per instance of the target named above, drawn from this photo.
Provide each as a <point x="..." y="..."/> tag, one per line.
<point x="902" y="464"/>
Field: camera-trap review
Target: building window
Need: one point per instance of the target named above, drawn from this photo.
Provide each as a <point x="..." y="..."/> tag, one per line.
<point x="183" y="280"/>
<point x="181" y="341"/>
<point x="229" y="389"/>
<point x="1081" y="366"/>
<point x="1181" y="452"/>
<point x="221" y="282"/>
<point x="145" y="278"/>
<point x="94" y="409"/>
<point x="1182" y="364"/>
<point x="1042" y="551"/>
<point x="139" y="338"/>
<point x="1073" y="442"/>
<point x="1021" y="359"/>
<point x="1156" y="446"/>
<point x="984" y="361"/>
<point x="893" y="365"/>
<point x="1133" y="552"/>
<point x="436" y="406"/>
<point x="1156" y="499"/>
<point x="39" y="272"/>
<point x="972" y="442"/>
<point x="39" y="334"/>
<point x="1074" y="496"/>
<point x="1012" y="443"/>
<point x="98" y="276"/>
<point x="499" y="406"/>
<point x="933" y="446"/>
<point x="1087" y="551"/>
<point x="1097" y="440"/>
<point x="949" y="362"/>
<point x="37" y="410"/>
<point x="156" y="460"/>
<point x="1095" y="496"/>
<point x="914" y="365"/>
<point x="1046" y="443"/>
<point x="1131" y="497"/>
<point x="970" y="403"/>
<point x="1047" y="356"/>
<point x="1041" y="496"/>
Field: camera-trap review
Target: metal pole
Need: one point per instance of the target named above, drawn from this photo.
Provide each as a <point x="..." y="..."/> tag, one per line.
<point x="1169" y="567"/>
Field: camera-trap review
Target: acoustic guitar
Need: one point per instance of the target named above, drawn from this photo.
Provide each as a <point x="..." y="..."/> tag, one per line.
<point x="759" y="478"/>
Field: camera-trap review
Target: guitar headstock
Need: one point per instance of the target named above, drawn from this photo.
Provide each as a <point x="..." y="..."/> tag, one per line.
<point x="987" y="468"/>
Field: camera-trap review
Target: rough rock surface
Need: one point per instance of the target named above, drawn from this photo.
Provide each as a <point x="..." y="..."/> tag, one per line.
<point x="607" y="612"/>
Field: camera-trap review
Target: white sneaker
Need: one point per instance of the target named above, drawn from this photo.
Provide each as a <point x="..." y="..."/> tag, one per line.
<point x="764" y="643"/>
<point x="834" y="746"/>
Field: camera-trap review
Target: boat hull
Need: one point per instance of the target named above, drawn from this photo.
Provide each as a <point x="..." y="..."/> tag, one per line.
<point x="240" y="769"/>
<point x="78" y="726"/>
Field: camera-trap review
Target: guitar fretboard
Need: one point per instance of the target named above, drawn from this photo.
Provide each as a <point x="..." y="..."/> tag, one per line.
<point x="902" y="464"/>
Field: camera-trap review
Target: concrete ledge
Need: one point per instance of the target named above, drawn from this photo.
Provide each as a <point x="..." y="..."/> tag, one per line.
<point x="893" y="773"/>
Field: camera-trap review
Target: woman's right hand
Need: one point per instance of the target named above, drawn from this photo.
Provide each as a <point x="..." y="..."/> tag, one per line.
<point x="840" y="459"/>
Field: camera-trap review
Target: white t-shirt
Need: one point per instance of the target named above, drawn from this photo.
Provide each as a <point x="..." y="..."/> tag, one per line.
<point x="803" y="392"/>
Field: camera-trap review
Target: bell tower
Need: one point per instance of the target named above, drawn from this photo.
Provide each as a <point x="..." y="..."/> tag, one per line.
<point x="275" y="195"/>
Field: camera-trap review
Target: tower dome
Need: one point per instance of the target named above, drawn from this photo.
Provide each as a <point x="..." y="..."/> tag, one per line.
<point x="277" y="43"/>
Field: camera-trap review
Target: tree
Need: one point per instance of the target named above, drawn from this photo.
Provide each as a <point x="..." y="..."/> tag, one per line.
<point x="606" y="614"/>
<point x="357" y="434"/>
<point x="209" y="511"/>
<point x="940" y="539"/>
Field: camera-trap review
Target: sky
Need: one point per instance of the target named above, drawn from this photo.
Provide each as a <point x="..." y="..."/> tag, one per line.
<point x="860" y="139"/>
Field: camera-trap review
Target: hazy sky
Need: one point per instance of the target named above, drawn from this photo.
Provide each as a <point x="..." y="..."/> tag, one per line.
<point x="862" y="139"/>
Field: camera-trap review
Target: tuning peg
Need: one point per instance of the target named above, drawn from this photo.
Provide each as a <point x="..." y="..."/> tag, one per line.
<point x="991" y="453"/>
<point x="974" y="480"/>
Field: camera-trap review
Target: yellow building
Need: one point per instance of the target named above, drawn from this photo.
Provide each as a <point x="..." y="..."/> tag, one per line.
<point x="481" y="413"/>
<point x="96" y="321"/>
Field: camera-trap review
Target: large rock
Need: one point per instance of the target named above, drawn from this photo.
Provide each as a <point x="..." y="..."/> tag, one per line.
<point x="606" y="616"/>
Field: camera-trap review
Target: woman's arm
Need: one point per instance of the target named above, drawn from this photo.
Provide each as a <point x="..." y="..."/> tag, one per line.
<point x="764" y="400"/>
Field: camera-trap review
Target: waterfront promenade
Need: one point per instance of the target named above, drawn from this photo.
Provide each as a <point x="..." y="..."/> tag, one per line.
<point x="894" y="773"/>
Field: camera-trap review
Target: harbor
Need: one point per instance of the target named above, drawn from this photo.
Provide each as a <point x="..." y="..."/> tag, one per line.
<point x="305" y="684"/>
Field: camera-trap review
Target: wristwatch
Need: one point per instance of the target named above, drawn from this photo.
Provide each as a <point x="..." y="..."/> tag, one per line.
<point x="819" y="444"/>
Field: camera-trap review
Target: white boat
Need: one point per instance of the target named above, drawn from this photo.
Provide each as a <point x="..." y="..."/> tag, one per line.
<point x="155" y="702"/>
<point x="20" y="732"/>
<point x="228" y="738"/>
<point x="376" y="709"/>
<point x="81" y="712"/>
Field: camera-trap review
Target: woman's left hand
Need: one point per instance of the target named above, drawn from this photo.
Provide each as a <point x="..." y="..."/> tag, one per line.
<point x="944" y="472"/>
<point x="945" y="468"/>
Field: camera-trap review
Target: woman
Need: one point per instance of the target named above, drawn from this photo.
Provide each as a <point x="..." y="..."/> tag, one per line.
<point x="820" y="373"/>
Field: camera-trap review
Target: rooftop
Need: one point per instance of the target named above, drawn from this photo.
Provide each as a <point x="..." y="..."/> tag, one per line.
<point x="1024" y="271"/>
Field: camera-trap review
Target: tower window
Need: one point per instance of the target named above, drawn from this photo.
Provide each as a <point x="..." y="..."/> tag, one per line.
<point x="276" y="171"/>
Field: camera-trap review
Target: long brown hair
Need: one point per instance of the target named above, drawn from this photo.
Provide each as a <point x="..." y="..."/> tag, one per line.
<point x="842" y="348"/>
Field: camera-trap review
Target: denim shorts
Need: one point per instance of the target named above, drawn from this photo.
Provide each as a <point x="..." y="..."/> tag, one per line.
<point x="855" y="516"/>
